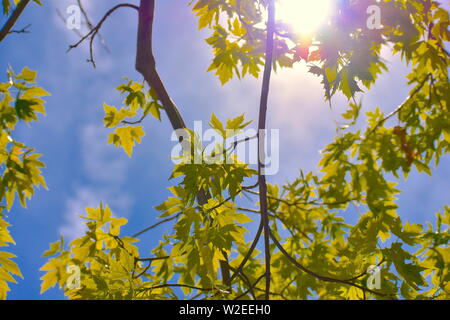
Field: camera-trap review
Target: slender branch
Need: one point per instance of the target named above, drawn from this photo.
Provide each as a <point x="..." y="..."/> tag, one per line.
<point x="23" y="30"/>
<point x="317" y="276"/>
<point x="298" y="203"/>
<point x="91" y="26"/>
<point x="94" y="31"/>
<point x="156" y="224"/>
<point x="143" y="271"/>
<point x="149" y="260"/>
<point x="276" y="216"/>
<point x="220" y="204"/>
<point x="244" y="279"/>
<point x="250" y="251"/>
<point x="236" y="143"/>
<point x="6" y="29"/>
<point x="400" y="107"/>
<point x="261" y="138"/>
<point x="142" y="118"/>
<point x="253" y="286"/>
<point x="177" y="285"/>
<point x="272" y="293"/>
<point x="152" y="259"/>
<point x="63" y="19"/>
<point x="287" y="286"/>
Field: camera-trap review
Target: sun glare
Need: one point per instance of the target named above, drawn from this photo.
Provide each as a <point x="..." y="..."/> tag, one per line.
<point x="305" y="16"/>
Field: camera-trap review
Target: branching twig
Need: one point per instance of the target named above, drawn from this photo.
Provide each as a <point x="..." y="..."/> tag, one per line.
<point x="320" y="277"/>
<point x="94" y="31"/>
<point x="244" y="279"/>
<point x="235" y="144"/>
<point x="253" y="286"/>
<point x="23" y="30"/>
<point x="400" y="107"/>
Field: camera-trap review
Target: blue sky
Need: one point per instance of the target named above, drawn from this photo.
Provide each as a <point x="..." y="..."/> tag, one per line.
<point x="83" y="170"/>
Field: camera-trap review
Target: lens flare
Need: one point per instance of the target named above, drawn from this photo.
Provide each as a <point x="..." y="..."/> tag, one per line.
<point x="304" y="16"/>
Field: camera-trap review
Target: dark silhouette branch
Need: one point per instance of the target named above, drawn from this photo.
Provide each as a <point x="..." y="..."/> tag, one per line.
<point x="249" y="289"/>
<point x="400" y="107"/>
<point x="7" y="27"/>
<point x="246" y="280"/>
<point x="299" y="203"/>
<point x="176" y="285"/>
<point x="261" y="138"/>
<point x="23" y="30"/>
<point x="94" y="31"/>
<point x="156" y="224"/>
<point x="250" y="251"/>
<point x="320" y="277"/>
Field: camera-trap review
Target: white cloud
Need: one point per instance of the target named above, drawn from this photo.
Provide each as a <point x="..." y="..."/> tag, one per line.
<point x="102" y="163"/>
<point x="106" y="171"/>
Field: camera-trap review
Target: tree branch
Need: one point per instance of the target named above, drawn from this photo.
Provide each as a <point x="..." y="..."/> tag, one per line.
<point x="94" y="31"/>
<point x="156" y="224"/>
<point x="261" y="138"/>
<point x="319" y="277"/>
<point x="6" y="29"/>
<point x="250" y="251"/>
<point x="399" y="108"/>
<point x="249" y="289"/>
<point x="23" y="30"/>
<point x="177" y="285"/>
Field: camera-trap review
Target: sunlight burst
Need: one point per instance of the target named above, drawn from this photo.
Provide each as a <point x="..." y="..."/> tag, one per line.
<point x="305" y="16"/>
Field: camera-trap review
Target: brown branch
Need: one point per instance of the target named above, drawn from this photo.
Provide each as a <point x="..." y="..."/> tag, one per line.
<point x="400" y="107"/>
<point x="23" y="30"/>
<point x="94" y="31"/>
<point x="220" y="204"/>
<point x="152" y="259"/>
<point x="177" y="285"/>
<point x="156" y="224"/>
<point x="6" y="29"/>
<point x="250" y="251"/>
<point x="276" y="216"/>
<point x="253" y="286"/>
<point x="235" y="144"/>
<point x="261" y="138"/>
<point x="149" y="260"/>
<point x="146" y="65"/>
<point x="298" y="203"/>
<point x="244" y="279"/>
<point x="61" y="16"/>
<point x="91" y="26"/>
<point x="320" y="277"/>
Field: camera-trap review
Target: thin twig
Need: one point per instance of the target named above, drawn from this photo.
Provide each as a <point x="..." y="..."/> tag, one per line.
<point x="245" y="279"/>
<point x="23" y="30"/>
<point x="94" y="31"/>
<point x="253" y="286"/>
<point x="400" y="107"/>
<point x="299" y="203"/>
<point x="156" y="224"/>
<point x="317" y="276"/>
<point x="176" y="285"/>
